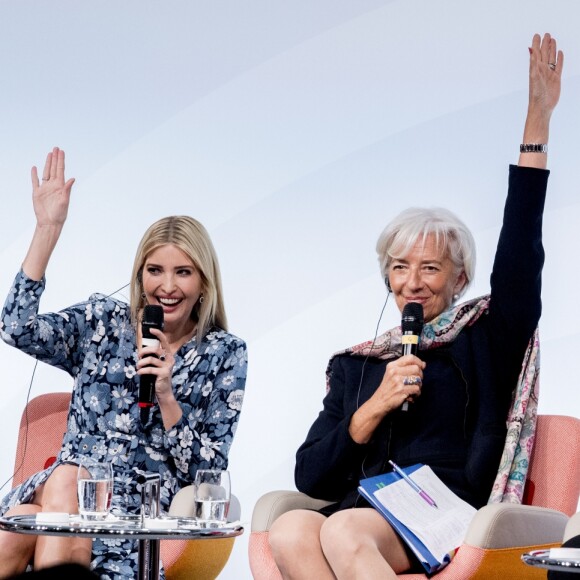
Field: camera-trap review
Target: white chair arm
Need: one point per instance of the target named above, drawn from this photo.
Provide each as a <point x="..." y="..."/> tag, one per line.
<point x="274" y="503"/>
<point x="506" y="525"/>
<point x="572" y="527"/>
<point x="182" y="504"/>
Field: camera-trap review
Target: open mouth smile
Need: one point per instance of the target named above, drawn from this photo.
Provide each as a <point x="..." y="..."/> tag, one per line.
<point x="168" y="301"/>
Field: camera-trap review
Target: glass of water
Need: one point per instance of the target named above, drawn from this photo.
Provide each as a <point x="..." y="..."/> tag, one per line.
<point x="212" y="496"/>
<point x="94" y="488"/>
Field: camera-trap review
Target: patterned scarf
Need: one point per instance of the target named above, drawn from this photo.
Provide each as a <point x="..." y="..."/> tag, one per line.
<point x="521" y="420"/>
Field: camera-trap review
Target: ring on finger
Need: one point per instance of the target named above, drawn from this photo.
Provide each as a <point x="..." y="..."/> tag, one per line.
<point x="162" y="356"/>
<point x="552" y="65"/>
<point x="412" y="380"/>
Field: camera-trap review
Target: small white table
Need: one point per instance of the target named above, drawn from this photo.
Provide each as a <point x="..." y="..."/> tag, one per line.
<point x="124" y="527"/>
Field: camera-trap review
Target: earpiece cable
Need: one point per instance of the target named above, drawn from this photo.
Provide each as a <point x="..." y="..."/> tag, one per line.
<point x="370" y="349"/>
<point x="362" y="467"/>
<point x="26" y="419"/>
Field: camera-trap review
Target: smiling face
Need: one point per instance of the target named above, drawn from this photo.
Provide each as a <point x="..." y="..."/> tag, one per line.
<point x="425" y="276"/>
<point x="171" y="280"/>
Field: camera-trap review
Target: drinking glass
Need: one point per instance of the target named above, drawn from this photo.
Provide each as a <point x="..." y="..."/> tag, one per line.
<point x="212" y="496"/>
<point x="94" y="488"/>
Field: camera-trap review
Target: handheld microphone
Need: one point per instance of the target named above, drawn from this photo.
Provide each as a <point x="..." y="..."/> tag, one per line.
<point x="152" y="318"/>
<point x="411" y="328"/>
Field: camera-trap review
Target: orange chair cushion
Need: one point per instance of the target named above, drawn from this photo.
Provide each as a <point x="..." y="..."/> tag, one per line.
<point x="199" y="559"/>
<point x="480" y="564"/>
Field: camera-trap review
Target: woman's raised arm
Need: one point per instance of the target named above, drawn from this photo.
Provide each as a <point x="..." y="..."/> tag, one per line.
<point x="546" y="64"/>
<point x="50" y="199"/>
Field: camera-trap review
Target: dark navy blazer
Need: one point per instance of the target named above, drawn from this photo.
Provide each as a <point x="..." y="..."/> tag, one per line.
<point x="458" y="424"/>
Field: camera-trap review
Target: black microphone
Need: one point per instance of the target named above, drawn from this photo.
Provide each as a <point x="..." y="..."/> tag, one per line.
<point x="411" y="328"/>
<point x="152" y="318"/>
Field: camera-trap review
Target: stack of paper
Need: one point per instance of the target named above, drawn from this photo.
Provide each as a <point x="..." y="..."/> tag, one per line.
<point x="432" y="533"/>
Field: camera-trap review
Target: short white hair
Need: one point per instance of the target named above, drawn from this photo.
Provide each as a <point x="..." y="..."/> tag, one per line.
<point x="452" y="237"/>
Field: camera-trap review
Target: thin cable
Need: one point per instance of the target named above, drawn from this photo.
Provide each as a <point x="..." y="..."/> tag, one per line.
<point x="362" y="373"/>
<point x="118" y="290"/>
<point x="26" y="418"/>
<point x="370" y="350"/>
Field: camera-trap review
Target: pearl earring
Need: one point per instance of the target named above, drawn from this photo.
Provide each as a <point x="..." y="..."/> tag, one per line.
<point x="455" y="297"/>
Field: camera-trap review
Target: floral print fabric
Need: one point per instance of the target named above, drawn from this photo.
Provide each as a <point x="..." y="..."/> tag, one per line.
<point x="95" y="343"/>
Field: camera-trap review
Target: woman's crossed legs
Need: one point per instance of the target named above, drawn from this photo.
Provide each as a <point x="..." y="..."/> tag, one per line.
<point x="57" y="494"/>
<point x="353" y="543"/>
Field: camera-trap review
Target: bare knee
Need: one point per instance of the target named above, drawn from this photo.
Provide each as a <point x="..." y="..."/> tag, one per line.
<point x="349" y="533"/>
<point x="341" y="535"/>
<point x="295" y="543"/>
<point x="59" y="491"/>
<point x="16" y="550"/>
<point x="359" y="539"/>
<point x="295" y="534"/>
<point x="53" y="551"/>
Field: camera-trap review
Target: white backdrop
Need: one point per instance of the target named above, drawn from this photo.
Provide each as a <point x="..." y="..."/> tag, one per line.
<point x="294" y="131"/>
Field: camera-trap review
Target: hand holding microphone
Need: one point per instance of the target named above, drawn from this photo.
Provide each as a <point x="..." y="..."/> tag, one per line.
<point x="411" y="328"/>
<point x="402" y="379"/>
<point x="152" y="318"/>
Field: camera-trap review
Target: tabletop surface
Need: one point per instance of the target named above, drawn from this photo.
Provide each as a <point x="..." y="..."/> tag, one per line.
<point x="121" y="526"/>
<point x="542" y="559"/>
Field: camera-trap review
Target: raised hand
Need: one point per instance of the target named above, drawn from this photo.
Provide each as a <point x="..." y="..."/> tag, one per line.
<point x="50" y="198"/>
<point x="51" y="194"/>
<point x="546" y="64"/>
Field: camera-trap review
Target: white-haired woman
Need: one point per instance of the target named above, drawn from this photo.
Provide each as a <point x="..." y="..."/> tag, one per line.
<point x="199" y="369"/>
<point x="458" y="388"/>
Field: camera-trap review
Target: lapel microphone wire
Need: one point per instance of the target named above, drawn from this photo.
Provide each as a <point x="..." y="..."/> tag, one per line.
<point x="26" y="417"/>
<point x="362" y="373"/>
<point x="370" y="350"/>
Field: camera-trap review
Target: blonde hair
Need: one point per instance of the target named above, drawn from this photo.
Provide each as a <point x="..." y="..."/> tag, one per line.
<point x="452" y="237"/>
<point x="192" y="238"/>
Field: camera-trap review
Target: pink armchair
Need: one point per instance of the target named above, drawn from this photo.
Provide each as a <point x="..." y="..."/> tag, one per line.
<point x="498" y="534"/>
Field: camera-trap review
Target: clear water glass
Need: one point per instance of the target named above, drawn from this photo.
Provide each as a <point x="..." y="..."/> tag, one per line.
<point x="94" y="488"/>
<point x="212" y="497"/>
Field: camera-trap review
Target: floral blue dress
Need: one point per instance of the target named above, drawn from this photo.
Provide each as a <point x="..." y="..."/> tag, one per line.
<point x="95" y="342"/>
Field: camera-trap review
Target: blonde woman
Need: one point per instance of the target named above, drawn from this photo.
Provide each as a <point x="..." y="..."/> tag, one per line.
<point x="199" y="369"/>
